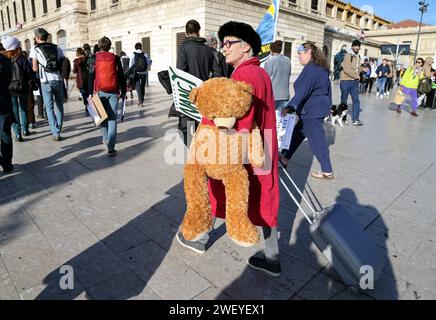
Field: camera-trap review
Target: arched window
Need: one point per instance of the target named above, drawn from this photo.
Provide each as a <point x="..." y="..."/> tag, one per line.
<point x="27" y="45"/>
<point x="61" y="39"/>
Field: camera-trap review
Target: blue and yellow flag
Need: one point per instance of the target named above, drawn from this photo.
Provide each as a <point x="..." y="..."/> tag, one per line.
<point x="267" y="29"/>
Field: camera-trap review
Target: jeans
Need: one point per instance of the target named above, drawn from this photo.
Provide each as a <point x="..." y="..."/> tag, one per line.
<point x="5" y="140"/>
<point x="55" y="116"/>
<point x="19" y="107"/>
<point x="381" y="84"/>
<point x="109" y="126"/>
<point x="140" y="87"/>
<point x="351" y="87"/>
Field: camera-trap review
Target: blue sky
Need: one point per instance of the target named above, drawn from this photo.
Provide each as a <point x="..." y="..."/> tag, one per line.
<point x="398" y="10"/>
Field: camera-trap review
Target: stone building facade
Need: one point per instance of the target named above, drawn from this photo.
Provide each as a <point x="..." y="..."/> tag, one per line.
<point x="427" y="40"/>
<point x="346" y="23"/>
<point x="159" y="25"/>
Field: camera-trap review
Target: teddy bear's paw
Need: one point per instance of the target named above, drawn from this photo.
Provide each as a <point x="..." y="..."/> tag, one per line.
<point x="195" y="226"/>
<point x="246" y="240"/>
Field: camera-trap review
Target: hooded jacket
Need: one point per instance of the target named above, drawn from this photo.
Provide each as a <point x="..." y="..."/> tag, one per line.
<point x="196" y="58"/>
<point x="351" y="66"/>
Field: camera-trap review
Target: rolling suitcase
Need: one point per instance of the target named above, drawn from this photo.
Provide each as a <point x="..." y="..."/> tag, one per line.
<point x="343" y="242"/>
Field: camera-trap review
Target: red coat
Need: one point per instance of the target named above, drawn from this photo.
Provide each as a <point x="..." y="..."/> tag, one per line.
<point x="77" y="68"/>
<point x="263" y="203"/>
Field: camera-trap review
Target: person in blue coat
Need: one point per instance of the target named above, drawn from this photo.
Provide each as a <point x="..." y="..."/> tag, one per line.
<point x="312" y="102"/>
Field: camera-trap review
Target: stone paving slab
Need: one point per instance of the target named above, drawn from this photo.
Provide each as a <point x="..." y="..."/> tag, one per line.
<point x="115" y="219"/>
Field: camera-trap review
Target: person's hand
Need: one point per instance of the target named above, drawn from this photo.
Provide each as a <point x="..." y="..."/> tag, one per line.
<point x="284" y="111"/>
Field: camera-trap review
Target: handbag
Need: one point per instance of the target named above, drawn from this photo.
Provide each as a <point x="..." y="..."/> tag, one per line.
<point x="400" y="96"/>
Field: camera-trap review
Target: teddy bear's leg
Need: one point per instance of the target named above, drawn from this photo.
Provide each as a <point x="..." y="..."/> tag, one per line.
<point x="239" y="227"/>
<point x="197" y="221"/>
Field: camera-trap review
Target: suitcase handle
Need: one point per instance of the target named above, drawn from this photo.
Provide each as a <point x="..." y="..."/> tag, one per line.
<point x="316" y="214"/>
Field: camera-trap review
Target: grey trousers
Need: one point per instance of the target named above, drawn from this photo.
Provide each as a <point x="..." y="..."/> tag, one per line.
<point x="270" y="238"/>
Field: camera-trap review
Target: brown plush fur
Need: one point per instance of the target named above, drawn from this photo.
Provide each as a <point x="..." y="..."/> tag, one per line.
<point x="219" y="154"/>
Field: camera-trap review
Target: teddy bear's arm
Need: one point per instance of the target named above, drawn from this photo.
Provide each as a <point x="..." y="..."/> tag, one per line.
<point x="256" y="154"/>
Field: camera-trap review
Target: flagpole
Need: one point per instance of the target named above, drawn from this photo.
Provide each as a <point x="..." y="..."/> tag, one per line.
<point x="277" y="20"/>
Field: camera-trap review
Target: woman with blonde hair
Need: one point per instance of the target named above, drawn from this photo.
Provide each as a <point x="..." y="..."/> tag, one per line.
<point x="312" y="102"/>
<point x="19" y="87"/>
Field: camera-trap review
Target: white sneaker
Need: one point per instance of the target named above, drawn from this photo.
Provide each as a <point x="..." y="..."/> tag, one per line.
<point x="387" y="93"/>
<point x="377" y="94"/>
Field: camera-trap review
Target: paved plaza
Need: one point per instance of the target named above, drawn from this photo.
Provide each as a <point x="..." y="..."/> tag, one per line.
<point x="114" y="220"/>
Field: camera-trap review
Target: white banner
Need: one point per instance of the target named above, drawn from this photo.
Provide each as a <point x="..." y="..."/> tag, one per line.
<point x="182" y="83"/>
<point x="285" y="127"/>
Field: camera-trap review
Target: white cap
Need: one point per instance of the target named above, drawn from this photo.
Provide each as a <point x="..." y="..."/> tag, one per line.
<point x="10" y="43"/>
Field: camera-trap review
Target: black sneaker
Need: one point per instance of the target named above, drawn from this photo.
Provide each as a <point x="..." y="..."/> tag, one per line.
<point x="357" y="123"/>
<point x="261" y="264"/>
<point x="7" y="168"/>
<point x="112" y="153"/>
<point x="193" y="245"/>
<point x="57" y="138"/>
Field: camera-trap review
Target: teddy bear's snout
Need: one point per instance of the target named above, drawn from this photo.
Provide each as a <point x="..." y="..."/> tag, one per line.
<point x="225" y="123"/>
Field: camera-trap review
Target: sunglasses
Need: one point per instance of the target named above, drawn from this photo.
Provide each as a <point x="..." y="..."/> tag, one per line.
<point x="229" y="43"/>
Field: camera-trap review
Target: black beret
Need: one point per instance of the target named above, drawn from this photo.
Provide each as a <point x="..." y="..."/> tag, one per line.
<point x="242" y="31"/>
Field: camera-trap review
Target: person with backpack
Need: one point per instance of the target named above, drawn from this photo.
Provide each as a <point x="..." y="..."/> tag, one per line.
<point x="138" y="71"/>
<point x="109" y="82"/>
<point x="91" y="69"/>
<point x="125" y="62"/>
<point x="47" y="62"/>
<point x="80" y="67"/>
<point x="350" y="77"/>
<point x="337" y="62"/>
<point x="19" y="87"/>
<point x="6" y="114"/>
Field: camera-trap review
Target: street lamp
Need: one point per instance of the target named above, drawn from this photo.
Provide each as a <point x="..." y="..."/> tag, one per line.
<point x="423" y="8"/>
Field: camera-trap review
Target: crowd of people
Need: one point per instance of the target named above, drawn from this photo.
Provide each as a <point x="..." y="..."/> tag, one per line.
<point x="45" y="72"/>
<point x="416" y="82"/>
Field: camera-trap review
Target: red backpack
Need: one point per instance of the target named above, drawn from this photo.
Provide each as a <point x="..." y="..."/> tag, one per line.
<point x="105" y="72"/>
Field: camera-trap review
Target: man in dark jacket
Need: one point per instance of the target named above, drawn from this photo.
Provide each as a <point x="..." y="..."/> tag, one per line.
<point x="382" y="71"/>
<point x="6" y="115"/>
<point x="195" y="58"/>
<point x="220" y="65"/>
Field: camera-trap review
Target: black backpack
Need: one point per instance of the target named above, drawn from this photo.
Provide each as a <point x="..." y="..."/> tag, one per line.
<point x="17" y="86"/>
<point x="50" y="53"/>
<point x="140" y="63"/>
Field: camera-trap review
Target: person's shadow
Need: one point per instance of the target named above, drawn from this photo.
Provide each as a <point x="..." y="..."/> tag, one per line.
<point x="306" y="273"/>
<point x="140" y="260"/>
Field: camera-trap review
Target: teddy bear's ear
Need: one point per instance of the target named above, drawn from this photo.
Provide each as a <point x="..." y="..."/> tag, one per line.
<point x="193" y="95"/>
<point x="246" y="87"/>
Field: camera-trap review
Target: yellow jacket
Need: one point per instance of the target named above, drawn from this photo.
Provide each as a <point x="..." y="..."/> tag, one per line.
<point x="411" y="81"/>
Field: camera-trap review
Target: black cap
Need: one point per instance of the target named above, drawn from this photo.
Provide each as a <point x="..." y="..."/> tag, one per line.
<point x="242" y="31"/>
<point x="356" y="43"/>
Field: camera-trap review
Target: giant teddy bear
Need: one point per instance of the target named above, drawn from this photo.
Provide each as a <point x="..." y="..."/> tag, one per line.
<point x="220" y="153"/>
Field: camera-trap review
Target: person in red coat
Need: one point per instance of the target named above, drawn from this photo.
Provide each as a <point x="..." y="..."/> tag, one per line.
<point x="241" y="44"/>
